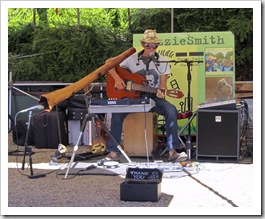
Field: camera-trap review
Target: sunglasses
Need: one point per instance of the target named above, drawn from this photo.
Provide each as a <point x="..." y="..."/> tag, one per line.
<point x="149" y="46"/>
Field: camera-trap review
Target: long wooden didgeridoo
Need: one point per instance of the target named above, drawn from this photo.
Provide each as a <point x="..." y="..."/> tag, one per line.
<point x="51" y="99"/>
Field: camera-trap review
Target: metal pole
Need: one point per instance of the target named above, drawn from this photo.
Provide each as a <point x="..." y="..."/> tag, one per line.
<point x="26" y="150"/>
<point x="10" y="93"/>
<point x="78" y="18"/>
<point x="34" y="18"/>
<point x="172" y="20"/>
<point x="23" y="92"/>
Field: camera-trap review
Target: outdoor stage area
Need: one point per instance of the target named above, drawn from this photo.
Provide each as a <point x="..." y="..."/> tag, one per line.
<point x="203" y="185"/>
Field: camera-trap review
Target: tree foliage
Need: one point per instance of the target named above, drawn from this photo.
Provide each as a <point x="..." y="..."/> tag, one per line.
<point x="67" y="46"/>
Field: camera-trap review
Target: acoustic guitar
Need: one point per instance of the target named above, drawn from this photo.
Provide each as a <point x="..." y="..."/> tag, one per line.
<point x="135" y="84"/>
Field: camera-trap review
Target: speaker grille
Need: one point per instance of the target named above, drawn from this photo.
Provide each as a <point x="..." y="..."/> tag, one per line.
<point x="218" y="135"/>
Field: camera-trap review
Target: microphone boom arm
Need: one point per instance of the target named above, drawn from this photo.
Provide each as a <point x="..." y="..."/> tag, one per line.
<point x="181" y="61"/>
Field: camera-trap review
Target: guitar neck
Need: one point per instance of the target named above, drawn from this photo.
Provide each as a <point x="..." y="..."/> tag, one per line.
<point x="135" y="83"/>
<point x="144" y="88"/>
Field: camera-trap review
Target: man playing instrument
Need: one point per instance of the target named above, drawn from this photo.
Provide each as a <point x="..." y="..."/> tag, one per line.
<point x="156" y="74"/>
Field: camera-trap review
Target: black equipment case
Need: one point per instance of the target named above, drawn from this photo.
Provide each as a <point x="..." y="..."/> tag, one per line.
<point x="46" y="132"/>
<point x="76" y="113"/>
<point x="141" y="184"/>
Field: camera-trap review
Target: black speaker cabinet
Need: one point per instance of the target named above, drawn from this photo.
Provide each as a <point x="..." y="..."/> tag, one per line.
<point x="218" y="135"/>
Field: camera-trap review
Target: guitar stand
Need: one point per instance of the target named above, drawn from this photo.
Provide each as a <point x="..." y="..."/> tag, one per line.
<point x="89" y="115"/>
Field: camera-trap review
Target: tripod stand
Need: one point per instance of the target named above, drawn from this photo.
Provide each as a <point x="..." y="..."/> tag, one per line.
<point x="88" y="117"/>
<point x="28" y="151"/>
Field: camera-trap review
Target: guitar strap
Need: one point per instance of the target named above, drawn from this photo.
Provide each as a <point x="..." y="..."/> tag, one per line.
<point x="139" y="56"/>
<point x="144" y="94"/>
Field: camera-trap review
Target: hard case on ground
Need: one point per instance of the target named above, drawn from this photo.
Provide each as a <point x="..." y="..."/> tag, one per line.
<point x="46" y="132"/>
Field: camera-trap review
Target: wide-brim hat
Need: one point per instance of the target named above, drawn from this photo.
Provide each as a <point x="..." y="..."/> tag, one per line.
<point x="150" y="37"/>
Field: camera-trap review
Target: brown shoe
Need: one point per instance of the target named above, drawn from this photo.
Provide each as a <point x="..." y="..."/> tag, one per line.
<point x="178" y="157"/>
<point x="108" y="158"/>
<point x="115" y="158"/>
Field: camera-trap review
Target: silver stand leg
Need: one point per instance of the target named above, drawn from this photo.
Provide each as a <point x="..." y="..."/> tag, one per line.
<point x="79" y="140"/>
<point x="76" y="146"/>
<point x="125" y="155"/>
<point x="118" y="146"/>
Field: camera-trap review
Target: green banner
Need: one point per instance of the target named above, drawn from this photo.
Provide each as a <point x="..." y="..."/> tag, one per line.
<point x="201" y="62"/>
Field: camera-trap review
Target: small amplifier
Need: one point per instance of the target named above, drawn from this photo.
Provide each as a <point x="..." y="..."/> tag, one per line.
<point x="218" y="133"/>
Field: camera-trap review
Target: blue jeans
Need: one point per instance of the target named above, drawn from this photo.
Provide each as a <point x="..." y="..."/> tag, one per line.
<point x="164" y="108"/>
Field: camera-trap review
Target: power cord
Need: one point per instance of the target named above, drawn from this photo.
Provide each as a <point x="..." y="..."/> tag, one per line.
<point x="81" y="170"/>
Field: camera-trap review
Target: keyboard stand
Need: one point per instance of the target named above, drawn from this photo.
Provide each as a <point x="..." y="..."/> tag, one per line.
<point x="89" y="116"/>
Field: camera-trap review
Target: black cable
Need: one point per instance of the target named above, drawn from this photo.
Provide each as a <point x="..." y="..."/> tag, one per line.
<point x="77" y="173"/>
<point x="10" y="123"/>
<point x="17" y="151"/>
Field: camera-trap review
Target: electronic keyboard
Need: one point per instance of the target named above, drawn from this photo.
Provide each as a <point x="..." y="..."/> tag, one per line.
<point x="121" y="105"/>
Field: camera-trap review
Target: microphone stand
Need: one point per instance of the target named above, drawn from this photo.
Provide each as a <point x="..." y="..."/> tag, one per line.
<point x="147" y="61"/>
<point x="188" y="98"/>
<point x="28" y="151"/>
